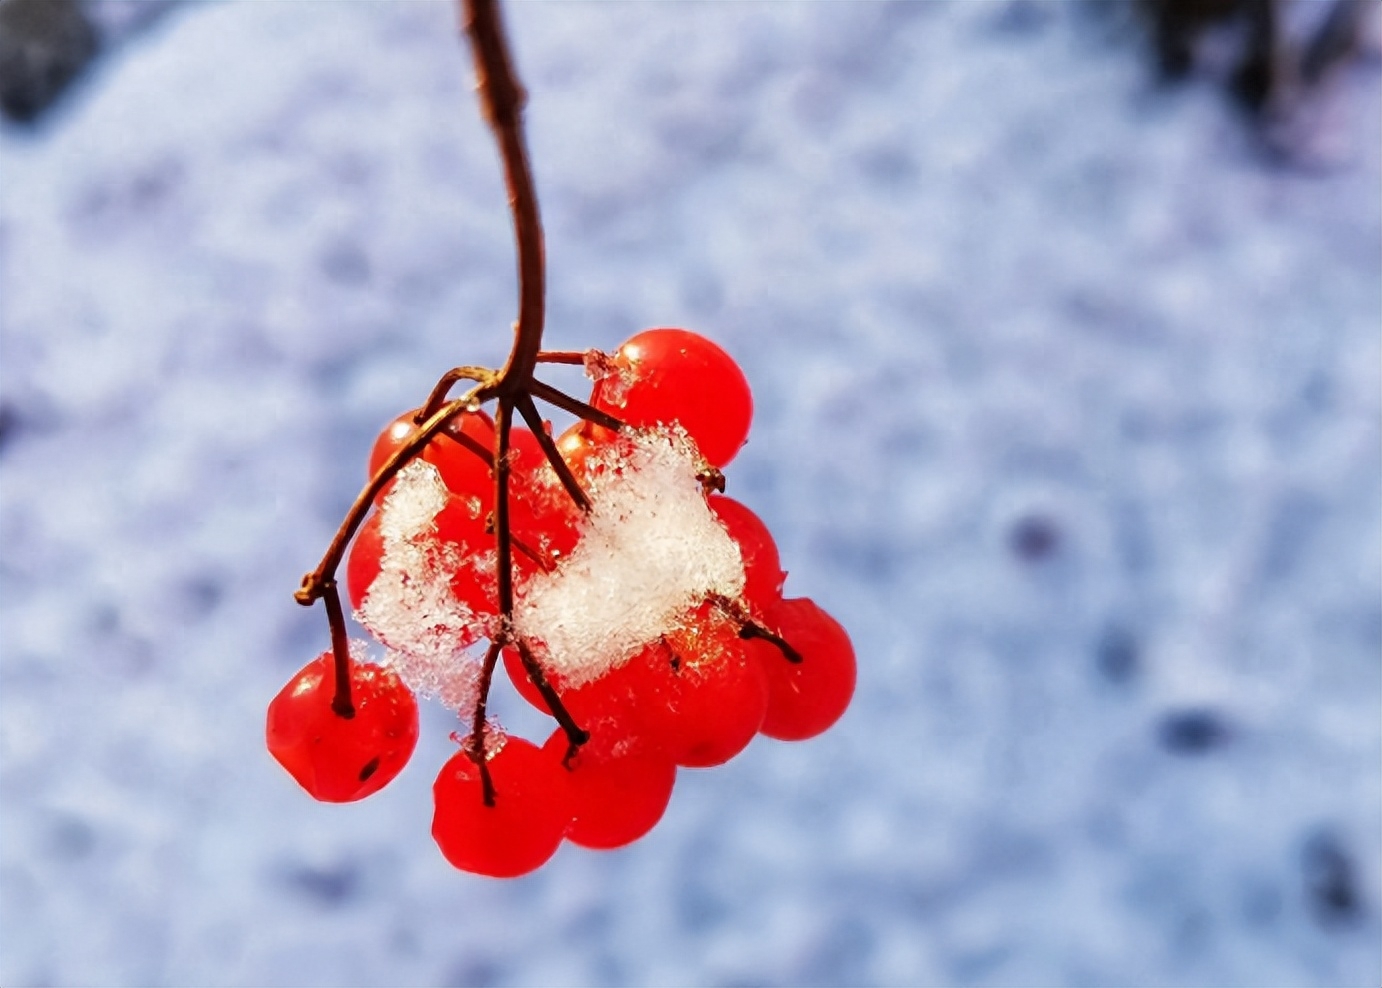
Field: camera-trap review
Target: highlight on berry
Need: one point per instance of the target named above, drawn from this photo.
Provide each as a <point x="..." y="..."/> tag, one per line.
<point x="605" y="569"/>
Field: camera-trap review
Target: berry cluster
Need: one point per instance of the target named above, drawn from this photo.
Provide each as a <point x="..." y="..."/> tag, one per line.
<point x="644" y="612"/>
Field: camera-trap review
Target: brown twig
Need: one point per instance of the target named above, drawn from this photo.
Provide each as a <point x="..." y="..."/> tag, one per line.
<point x="561" y="357"/>
<point x="575" y="736"/>
<point x="503" y="420"/>
<point x="314" y="583"/>
<point x="476" y="741"/>
<point x="528" y="410"/>
<point x="472" y="444"/>
<point x="575" y="406"/>
<point x="512" y="387"/>
<point x="751" y="627"/>
<point x="501" y="100"/>
<point x="443" y="387"/>
<point x="342" y="703"/>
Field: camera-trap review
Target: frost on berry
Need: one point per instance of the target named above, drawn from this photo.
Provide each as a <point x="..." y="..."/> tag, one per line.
<point x="410" y="605"/>
<point x="649" y="552"/>
<point x="615" y="377"/>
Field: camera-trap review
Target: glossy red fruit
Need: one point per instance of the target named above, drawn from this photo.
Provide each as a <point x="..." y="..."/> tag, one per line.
<point x="524" y="827"/>
<point x="339" y="759"/>
<point x="663" y="376"/>
<point x="364" y="560"/>
<point x="462" y="471"/>
<point x="620" y="782"/>
<point x="582" y="450"/>
<point x="701" y="695"/>
<point x="763" y="576"/>
<point x="805" y="698"/>
<point x="542" y="514"/>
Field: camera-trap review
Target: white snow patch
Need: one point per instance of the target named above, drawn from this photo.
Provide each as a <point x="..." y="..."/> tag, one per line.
<point x="410" y="606"/>
<point x="650" y="551"/>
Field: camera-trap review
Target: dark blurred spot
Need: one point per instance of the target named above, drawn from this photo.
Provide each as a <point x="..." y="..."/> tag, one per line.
<point x="1034" y="538"/>
<point x="842" y="956"/>
<point x="474" y="972"/>
<point x="104" y="618"/>
<point x="868" y="557"/>
<point x="345" y="264"/>
<point x="1339" y="38"/>
<point x="1116" y="655"/>
<point x="1192" y="732"/>
<point x="369" y="769"/>
<point x="71" y="838"/>
<point x="699" y="909"/>
<point x="109" y="206"/>
<point x="1330" y="880"/>
<point x="44" y="45"/>
<point x="589" y="925"/>
<point x="888" y="166"/>
<point x="329" y="886"/>
<point x="1268" y="60"/>
<point x="151" y="185"/>
<point x="1261" y="904"/>
<point x="1179" y="24"/>
<point x="1296" y="520"/>
<point x="350" y="168"/>
<point x="202" y="595"/>
<point x="975" y="966"/>
<point x="9" y="425"/>
<point x="1020" y="17"/>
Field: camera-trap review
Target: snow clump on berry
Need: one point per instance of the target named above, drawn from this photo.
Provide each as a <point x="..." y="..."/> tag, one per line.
<point x="650" y="551"/>
<point x="410" y="605"/>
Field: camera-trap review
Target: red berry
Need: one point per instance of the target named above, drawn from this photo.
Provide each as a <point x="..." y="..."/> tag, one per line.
<point x="364" y="560"/>
<point x="805" y="698"/>
<point x="524" y="827"/>
<point x="541" y="512"/>
<point x="462" y="471"/>
<point x="763" y="576"/>
<point x="582" y="450"/>
<point x="700" y="693"/>
<point x="620" y="783"/>
<point x="339" y="759"/>
<point x="672" y="375"/>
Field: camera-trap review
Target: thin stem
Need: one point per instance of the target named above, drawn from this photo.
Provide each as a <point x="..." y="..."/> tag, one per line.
<point x="502" y="99"/>
<point x="575" y="406"/>
<point x="568" y="480"/>
<point x="472" y="444"/>
<point x="575" y="737"/>
<point x="540" y="558"/>
<point x="503" y="419"/>
<point x="750" y="627"/>
<point x="561" y="357"/>
<point x="341" y="702"/>
<point x="476" y="741"/>
<point x="443" y="387"/>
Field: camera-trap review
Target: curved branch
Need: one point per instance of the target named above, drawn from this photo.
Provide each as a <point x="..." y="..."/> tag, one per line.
<point x="502" y="99"/>
<point x="314" y="583"/>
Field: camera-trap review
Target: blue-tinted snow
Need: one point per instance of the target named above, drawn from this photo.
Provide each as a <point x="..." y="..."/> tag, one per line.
<point x="1068" y="407"/>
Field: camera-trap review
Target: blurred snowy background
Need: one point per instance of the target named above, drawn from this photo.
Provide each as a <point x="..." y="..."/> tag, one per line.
<point x="1067" y="407"/>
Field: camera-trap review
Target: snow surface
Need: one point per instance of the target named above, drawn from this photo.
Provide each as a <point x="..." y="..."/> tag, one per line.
<point x="1067" y="407"/>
